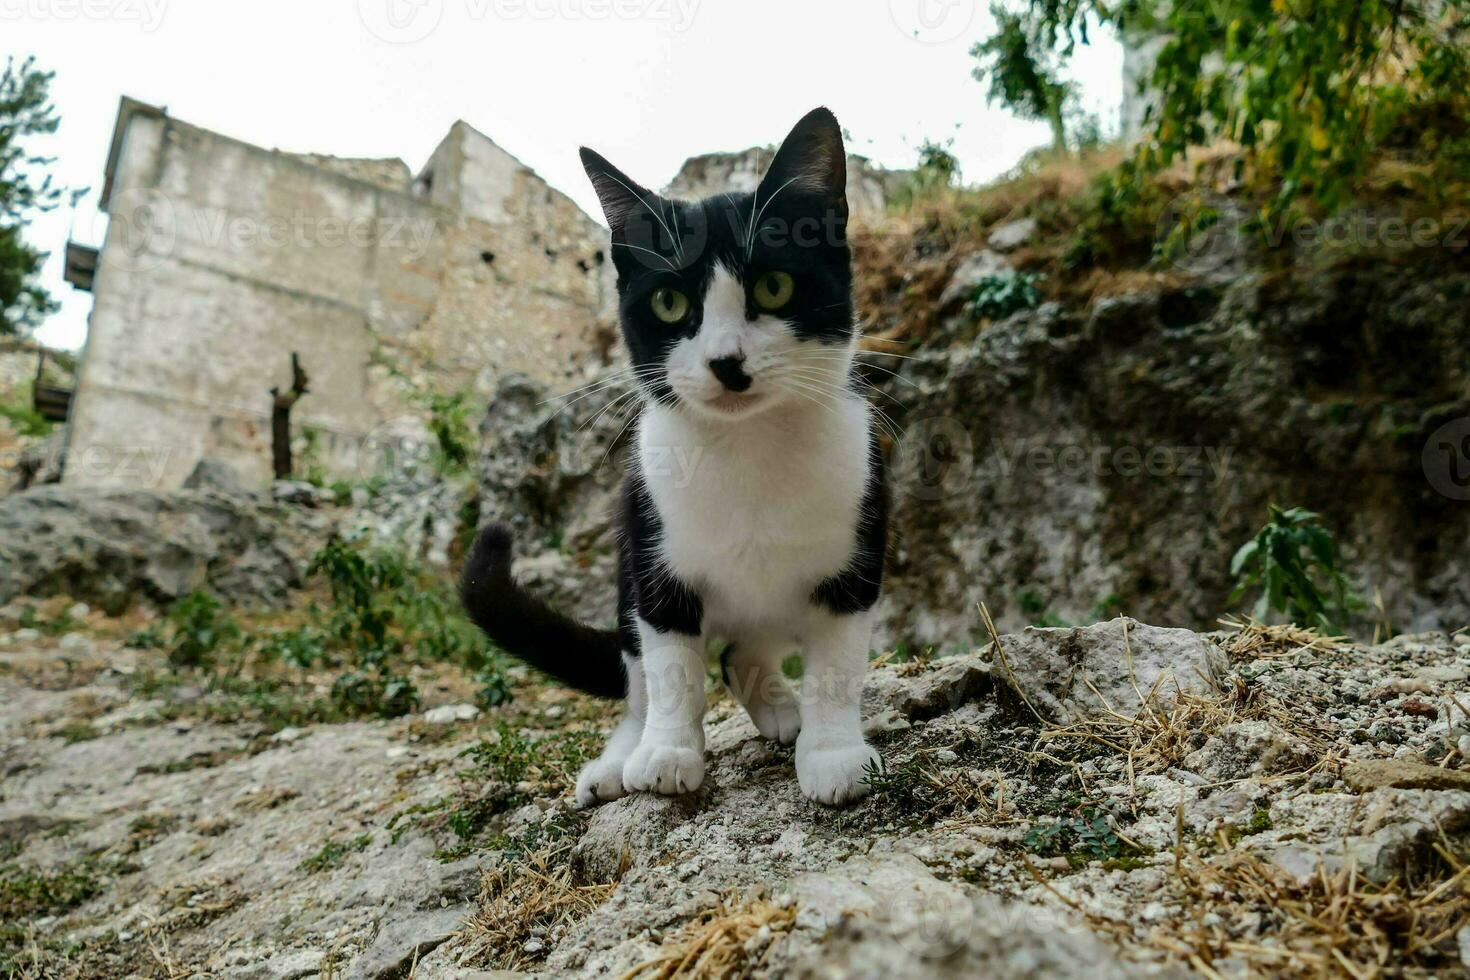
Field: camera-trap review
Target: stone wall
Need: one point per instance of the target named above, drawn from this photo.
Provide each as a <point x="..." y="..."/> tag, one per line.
<point x="221" y="258"/>
<point x="868" y="186"/>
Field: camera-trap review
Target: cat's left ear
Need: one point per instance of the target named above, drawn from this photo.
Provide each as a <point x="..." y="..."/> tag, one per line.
<point x="811" y="160"/>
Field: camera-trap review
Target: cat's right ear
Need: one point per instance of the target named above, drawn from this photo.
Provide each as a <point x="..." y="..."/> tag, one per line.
<point x="619" y="195"/>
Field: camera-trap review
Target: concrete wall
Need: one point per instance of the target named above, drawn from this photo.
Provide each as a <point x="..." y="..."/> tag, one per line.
<point x="221" y="258"/>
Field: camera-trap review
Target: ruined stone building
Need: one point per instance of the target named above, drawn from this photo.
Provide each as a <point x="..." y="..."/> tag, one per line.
<point x="221" y="259"/>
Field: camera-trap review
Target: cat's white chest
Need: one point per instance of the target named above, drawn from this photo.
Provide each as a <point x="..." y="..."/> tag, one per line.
<point x="757" y="516"/>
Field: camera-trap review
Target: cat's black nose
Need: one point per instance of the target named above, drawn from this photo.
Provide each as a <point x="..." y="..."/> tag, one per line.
<point x="731" y="372"/>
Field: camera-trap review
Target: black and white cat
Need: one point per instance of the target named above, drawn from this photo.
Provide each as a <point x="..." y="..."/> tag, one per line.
<point x="737" y="312"/>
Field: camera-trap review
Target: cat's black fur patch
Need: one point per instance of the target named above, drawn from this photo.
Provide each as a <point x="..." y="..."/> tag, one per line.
<point x="661" y="600"/>
<point x="857" y="586"/>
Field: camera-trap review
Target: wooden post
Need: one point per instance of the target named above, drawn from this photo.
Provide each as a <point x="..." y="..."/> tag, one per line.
<point x="281" y="404"/>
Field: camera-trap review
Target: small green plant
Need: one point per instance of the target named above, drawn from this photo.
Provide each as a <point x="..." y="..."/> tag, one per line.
<point x="1293" y="560"/>
<point x="25" y="893"/>
<point x="304" y="647"/>
<point x="23" y="418"/>
<point x="449" y="423"/>
<point x="334" y="854"/>
<point x="150" y="637"/>
<point x="58" y="625"/>
<point x="200" y="626"/>
<point x="1085" y="835"/>
<point x="1035" y="609"/>
<point x="362" y="692"/>
<point x="1003" y="293"/>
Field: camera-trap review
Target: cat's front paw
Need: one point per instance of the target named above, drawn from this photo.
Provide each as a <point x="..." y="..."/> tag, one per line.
<point x="834" y="774"/>
<point x="661" y="768"/>
<point x="601" y="781"/>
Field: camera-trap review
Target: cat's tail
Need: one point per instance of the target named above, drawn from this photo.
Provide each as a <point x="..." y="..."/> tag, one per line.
<point x="530" y="630"/>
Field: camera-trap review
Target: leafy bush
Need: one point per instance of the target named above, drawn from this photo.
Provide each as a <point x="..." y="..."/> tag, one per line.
<point x="1003" y="293"/>
<point x="1309" y="93"/>
<point x="23" y="417"/>
<point x="1293" y="561"/>
<point x="385" y="611"/>
<point x="200" y="626"/>
<point x="449" y="423"/>
<point x="304" y="647"/>
<point x="936" y="170"/>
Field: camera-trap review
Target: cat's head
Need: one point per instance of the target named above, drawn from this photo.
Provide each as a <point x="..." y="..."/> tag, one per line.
<point x="739" y="303"/>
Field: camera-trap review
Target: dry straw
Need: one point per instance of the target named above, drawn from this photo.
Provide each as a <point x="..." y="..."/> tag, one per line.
<point x="733" y="939"/>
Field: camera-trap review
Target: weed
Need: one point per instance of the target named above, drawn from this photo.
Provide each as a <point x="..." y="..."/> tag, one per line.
<point x="999" y="295"/>
<point x="449" y="423"/>
<point x="334" y="854"/>
<point x="1287" y="559"/>
<point x="57" y="625"/>
<point x="387" y="695"/>
<point x="79" y="732"/>
<point x="504" y="772"/>
<point x="1034" y="608"/>
<point x="1086" y="834"/>
<point x="304" y="647"/>
<point x="26" y="893"/>
<point x="200" y="626"/>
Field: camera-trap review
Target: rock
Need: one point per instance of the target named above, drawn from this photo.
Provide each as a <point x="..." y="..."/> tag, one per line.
<point x="112" y="548"/>
<point x="1462" y="939"/>
<point x="1368" y="775"/>
<point x="1384" y="834"/>
<point x="1076" y="673"/>
<point x="290" y="965"/>
<point x="903" y="695"/>
<point x="406" y="935"/>
<point x="217" y="476"/>
<point x="1248" y="748"/>
<point x="971" y="271"/>
<point x="1012" y="235"/>
<point x="446" y="714"/>
<point x="299" y="493"/>
<point x="76" y="643"/>
<point x="892" y="918"/>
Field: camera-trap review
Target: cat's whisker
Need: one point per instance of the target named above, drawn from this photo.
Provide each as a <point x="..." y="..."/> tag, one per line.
<point x="823" y="356"/>
<point x="591" y="386"/>
<point x="755" y="222"/>
<point x="619" y="399"/>
<point x="611" y="445"/>
<point x="663" y="258"/>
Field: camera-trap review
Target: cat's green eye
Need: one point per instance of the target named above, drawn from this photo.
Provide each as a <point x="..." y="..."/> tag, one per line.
<point x="669" y="305"/>
<point x="773" y="290"/>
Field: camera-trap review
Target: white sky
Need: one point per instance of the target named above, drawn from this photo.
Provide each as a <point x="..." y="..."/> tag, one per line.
<point x="646" y="82"/>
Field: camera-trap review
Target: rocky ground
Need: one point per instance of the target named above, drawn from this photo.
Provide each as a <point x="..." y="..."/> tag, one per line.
<point x="1118" y="800"/>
